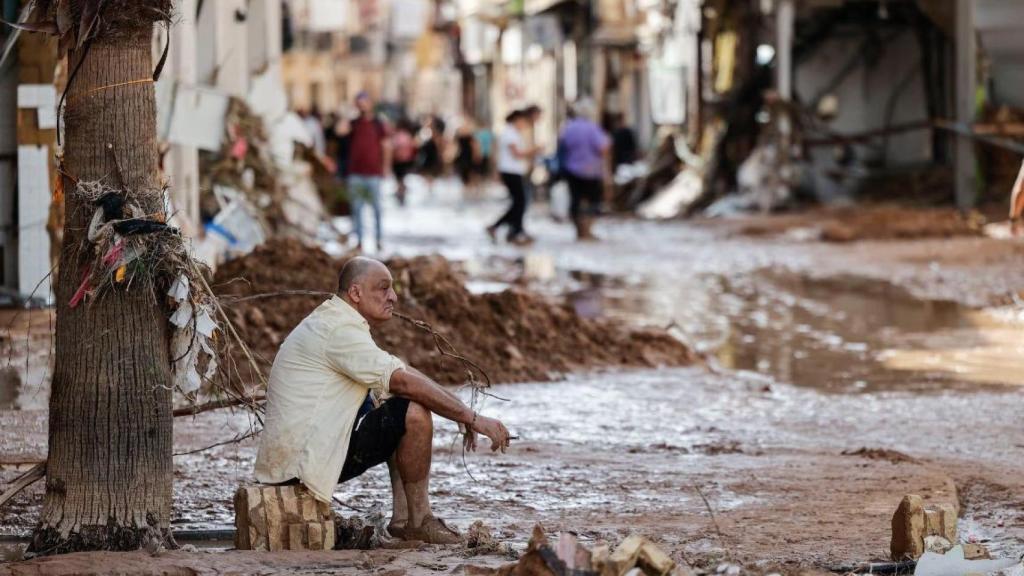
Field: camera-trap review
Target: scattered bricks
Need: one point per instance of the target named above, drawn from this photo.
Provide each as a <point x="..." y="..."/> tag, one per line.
<point x="976" y="552"/>
<point x="908" y="529"/>
<point x="941" y="522"/>
<point x="911" y="524"/>
<point x="281" y="518"/>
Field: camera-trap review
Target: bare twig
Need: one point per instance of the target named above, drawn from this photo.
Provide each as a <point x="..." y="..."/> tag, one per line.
<point x="714" y="520"/>
<point x="217" y="405"/>
<point x="234" y="440"/>
<point x="349" y="506"/>
<point x="35" y="473"/>
<point x="232" y="300"/>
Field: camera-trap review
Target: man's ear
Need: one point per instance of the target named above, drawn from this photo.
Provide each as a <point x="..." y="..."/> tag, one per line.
<point x="354" y="293"/>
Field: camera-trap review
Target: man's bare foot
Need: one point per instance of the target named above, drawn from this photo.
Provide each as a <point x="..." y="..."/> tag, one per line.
<point x="433" y="531"/>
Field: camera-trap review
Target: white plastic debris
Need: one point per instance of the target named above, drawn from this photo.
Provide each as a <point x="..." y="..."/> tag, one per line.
<point x="952" y="563"/>
<point x="179" y="289"/>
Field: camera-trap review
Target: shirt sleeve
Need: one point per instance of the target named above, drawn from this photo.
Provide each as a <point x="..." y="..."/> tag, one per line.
<point x="352" y="351"/>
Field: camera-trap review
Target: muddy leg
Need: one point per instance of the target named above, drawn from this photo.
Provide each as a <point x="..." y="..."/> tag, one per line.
<point x="413" y="462"/>
<point x="399" y="504"/>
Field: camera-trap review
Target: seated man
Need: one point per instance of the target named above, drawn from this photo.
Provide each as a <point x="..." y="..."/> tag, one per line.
<point x="324" y="425"/>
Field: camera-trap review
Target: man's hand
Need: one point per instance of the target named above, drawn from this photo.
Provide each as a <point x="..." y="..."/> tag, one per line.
<point x="494" y="430"/>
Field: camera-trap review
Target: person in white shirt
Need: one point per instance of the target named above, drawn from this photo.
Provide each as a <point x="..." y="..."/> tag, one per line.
<point x="338" y="405"/>
<point x="514" y="157"/>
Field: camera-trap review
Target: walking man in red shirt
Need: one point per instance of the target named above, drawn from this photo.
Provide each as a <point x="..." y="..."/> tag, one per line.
<point x="369" y="160"/>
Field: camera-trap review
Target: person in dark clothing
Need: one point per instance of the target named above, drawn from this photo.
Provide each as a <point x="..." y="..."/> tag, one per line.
<point x="624" y="146"/>
<point x="403" y="158"/>
<point x="467" y="155"/>
<point x="431" y="150"/>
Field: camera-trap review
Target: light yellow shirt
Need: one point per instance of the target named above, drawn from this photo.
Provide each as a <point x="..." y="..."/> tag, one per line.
<point x="320" y="378"/>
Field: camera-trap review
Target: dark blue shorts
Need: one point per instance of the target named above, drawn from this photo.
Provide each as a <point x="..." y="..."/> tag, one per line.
<point x="375" y="437"/>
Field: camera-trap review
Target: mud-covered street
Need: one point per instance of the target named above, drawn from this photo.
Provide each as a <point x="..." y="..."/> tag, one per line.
<point x="838" y="378"/>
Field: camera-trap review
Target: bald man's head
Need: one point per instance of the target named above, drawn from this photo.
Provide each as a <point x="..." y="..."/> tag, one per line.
<point x="366" y="285"/>
<point x="354" y="270"/>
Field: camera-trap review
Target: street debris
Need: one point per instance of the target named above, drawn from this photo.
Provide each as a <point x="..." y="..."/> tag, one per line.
<point x="954" y="563"/>
<point x="913" y="526"/>
<point x="635" y="556"/>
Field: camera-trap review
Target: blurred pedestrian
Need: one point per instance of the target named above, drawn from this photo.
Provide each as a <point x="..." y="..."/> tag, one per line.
<point x="514" y="156"/>
<point x="533" y="114"/>
<point x="485" y="140"/>
<point x="368" y="161"/>
<point x="467" y="155"/>
<point x="430" y="158"/>
<point x="404" y="155"/>
<point x="624" y="146"/>
<point x="586" y="149"/>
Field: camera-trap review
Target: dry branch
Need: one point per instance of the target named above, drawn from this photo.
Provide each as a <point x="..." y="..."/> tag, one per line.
<point x="35" y="473"/>
<point x="217" y="405"/>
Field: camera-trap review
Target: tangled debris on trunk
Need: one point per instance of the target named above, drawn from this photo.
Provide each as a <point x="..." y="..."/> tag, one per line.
<point x="514" y="335"/>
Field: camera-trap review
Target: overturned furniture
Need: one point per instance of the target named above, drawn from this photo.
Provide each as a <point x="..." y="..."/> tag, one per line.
<point x="271" y="518"/>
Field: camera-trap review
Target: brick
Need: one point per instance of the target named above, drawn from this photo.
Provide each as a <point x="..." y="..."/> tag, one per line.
<point x="316" y="535"/>
<point x="296" y="537"/>
<point x="281" y="518"/>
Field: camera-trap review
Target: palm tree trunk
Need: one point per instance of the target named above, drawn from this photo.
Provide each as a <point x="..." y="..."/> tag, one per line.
<point x="109" y="473"/>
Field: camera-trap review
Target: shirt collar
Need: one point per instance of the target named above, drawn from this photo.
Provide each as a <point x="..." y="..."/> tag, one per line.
<point x="338" y="304"/>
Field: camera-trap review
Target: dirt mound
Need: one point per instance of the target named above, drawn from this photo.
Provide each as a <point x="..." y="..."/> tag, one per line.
<point x="514" y="335"/>
<point x="892" y="222"/>
<point x="866" y="222"/>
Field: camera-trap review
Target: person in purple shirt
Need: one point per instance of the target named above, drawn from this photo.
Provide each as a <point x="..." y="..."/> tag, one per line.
<point x="584" y="151"/>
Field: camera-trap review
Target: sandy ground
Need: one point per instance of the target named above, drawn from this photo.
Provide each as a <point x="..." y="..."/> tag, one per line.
<point x="907" y="349"/>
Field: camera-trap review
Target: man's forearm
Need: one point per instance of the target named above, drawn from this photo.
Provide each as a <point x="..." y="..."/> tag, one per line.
<point x="413" y="385"/>
<point x="440" y="387"/>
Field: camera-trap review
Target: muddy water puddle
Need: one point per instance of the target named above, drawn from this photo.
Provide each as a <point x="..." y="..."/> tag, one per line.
<point x="840" y="334"/>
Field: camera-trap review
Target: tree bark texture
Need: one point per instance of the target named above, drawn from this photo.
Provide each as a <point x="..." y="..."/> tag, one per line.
<point x="109" y="474"/>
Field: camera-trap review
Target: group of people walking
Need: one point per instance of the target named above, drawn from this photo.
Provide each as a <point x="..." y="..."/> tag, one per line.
<point x="362" y="150"/>
<point x="582" y="160"/>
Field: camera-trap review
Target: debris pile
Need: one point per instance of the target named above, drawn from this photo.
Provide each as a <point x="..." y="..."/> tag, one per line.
<point x="635" y="555"/>
<point x="514" y="335"/>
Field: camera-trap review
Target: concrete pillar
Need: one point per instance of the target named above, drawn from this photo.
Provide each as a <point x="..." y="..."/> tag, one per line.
<point x="966" y="86"/>
<point x="784" y="48"/>
<point x="784" y="25"/>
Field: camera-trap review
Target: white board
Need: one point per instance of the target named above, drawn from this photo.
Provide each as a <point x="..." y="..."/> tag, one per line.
<point x="668" y="94"/>
<point x="197" y="118"/>
<point x="33" y="213"/>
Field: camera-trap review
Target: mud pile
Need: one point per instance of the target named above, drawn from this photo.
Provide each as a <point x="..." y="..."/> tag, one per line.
<point x="514" y="335"/>
<point x="897" y="223"/>
<point x="878" y="222"/>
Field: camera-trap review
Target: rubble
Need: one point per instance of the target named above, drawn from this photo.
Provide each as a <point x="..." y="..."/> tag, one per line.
<point x="514" y="335"/>
<point x="913" y="525"/>
<point x="634" y="556"/>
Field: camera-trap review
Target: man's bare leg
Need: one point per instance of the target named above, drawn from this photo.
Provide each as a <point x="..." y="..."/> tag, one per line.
<point x="413" y="462"/>
<point x="399" y="504"/>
